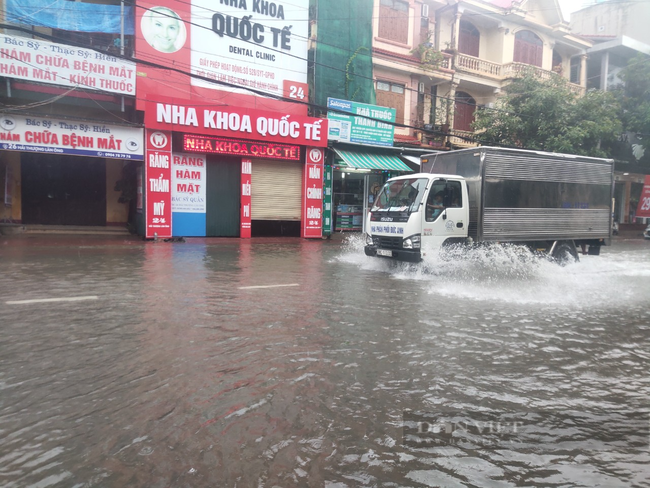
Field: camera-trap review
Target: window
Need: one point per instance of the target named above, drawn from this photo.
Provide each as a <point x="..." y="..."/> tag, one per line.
<point x="574" y="76"/>
<point x="442" y="194"/>
<point x="394" y="20"/>
<point x="469" y="39"/>
<point x="401" y="195"/>
<point x="464" y="114"/>
<point x="528" y="48"/>
<point x="391" y="95"/>
<point x="557" y="63"/>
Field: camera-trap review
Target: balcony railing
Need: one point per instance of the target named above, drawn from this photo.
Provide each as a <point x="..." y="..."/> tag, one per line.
<point x="478" y="66"/>
<point x="512" y="70"/>
<point x="504" y="71"/>
<point x="462" y="138"/>
<point x="446" y="62"/>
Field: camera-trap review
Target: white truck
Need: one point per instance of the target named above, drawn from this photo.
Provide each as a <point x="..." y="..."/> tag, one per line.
<point x="549" y="202"/>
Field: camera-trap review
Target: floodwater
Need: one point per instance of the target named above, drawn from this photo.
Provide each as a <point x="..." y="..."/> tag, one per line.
<point x="188" y="365"/>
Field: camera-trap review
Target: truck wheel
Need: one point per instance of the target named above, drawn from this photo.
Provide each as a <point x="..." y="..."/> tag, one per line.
<point x="565" y="253"/>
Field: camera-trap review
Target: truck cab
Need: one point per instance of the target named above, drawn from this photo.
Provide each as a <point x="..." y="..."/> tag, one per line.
<point x="416" y="213"/>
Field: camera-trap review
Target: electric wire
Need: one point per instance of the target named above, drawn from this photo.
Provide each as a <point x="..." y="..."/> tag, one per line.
<point x="458" y="101"/>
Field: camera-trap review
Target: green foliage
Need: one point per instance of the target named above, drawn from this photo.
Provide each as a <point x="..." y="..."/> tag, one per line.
<point x="547" y="115"/>
<point x="635" y="99"/>
<point x="350" y="74"/>
<point x="430" y="58"/>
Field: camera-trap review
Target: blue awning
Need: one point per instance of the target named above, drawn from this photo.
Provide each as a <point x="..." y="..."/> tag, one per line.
<point x="365" y="160"/>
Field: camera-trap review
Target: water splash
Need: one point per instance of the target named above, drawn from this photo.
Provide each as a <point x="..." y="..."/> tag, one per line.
<point x="513" y="274"/>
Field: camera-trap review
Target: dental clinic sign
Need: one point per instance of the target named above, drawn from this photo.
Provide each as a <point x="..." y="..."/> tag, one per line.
<point x="64" y="136"/>
<point x="252" y="43"/>
<point x="235" y="122"/>
<point x="59" y="64"/>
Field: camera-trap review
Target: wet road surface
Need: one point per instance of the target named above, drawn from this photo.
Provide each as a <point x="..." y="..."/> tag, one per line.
<point x="281" y="363"/>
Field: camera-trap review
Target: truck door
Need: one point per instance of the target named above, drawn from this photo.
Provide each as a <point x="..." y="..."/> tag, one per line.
<point x="444" y="215"/>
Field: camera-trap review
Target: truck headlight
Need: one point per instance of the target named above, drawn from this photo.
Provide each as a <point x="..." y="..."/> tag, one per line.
<point x="369" y="241"/>
<point x="412" y="242"/>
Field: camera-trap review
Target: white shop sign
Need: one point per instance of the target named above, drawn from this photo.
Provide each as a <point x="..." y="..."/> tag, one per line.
<point x="188" y="183"/>
<point x="59" y="64"/>
<point x="62" y="136"/>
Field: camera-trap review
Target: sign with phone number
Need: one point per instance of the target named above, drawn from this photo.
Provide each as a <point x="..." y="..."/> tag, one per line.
<point x="65" y="136"/>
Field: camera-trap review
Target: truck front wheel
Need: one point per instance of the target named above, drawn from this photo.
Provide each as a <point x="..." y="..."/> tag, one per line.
<point x="565" y="252"/>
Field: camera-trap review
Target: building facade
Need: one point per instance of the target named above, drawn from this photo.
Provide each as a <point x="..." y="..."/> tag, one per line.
<point x="448" y="58"/>
<point x="69" y="135"/>
<point x="181" y="118"/>
<point x="619" y="33"/>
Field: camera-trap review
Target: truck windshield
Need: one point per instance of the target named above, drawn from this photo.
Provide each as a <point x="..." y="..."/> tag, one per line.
<point x="401" y="195"/>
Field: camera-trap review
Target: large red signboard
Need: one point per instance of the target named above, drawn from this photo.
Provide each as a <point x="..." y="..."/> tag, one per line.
<point x="158" y="176"/>
<point x="312" y="213"/>
<point x="236" y="122"/>
<point x="234" y="147"/>
<point x="643" y="210"/>
<point x="239" y="49"/>
<point x="246" y="185"/>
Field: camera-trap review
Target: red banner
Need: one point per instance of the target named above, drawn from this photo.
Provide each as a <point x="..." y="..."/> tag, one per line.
<point x="236" y="122"/>
<point x="312" y="213"/>
<point x="643" y="210"/>
<point x="246" y="171"/>
<point x="158" y="175"/>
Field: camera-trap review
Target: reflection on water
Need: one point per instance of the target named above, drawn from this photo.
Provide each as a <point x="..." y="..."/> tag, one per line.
<point x="182" y="375"/>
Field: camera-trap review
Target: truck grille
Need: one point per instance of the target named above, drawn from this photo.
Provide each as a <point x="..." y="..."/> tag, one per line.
<point x="388" y="242"/>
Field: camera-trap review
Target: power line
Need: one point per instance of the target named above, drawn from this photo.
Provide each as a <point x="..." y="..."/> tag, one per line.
<point x="266" y="94"/>
<point x="369" y="56"/>
<point x="185" y="73"/>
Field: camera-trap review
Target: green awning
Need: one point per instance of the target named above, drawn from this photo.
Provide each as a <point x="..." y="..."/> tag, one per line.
<point x="365" y="160"/>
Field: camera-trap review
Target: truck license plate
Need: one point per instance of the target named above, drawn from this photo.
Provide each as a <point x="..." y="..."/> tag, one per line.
<point x="383" y="252"/>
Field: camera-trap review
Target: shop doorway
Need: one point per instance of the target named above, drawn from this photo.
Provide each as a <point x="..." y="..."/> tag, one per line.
<point x="276" y="201"/>
<point x="353" y="192"/>
<point x="63" y="190"/>
<point x="223" y="179"/>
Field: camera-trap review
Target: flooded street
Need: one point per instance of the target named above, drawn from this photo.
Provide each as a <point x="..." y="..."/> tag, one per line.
<point x="285" y="362"/>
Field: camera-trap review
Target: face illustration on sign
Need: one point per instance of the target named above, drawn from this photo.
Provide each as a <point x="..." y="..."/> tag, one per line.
<point x="163" y="29"/>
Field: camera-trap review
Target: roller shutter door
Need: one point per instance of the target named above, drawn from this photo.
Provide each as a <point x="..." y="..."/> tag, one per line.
<point x="276" y="190"/>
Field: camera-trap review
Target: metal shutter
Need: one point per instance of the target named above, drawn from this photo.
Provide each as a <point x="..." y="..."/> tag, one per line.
<point x="276" y="190"/>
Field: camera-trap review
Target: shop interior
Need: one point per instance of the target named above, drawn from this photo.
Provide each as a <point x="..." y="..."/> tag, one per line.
<point x="348" y="196"/>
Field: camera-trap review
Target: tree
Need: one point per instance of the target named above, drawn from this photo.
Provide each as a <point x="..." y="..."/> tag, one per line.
<point x="635" y="100"/>
<point x="547" y="115"/>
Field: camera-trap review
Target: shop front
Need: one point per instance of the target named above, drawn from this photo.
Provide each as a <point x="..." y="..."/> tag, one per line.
<point x="361" y="159"/>
<point x="232" y="173"/>
<point x="65" y="172"/>
<point x="357" y="177"/>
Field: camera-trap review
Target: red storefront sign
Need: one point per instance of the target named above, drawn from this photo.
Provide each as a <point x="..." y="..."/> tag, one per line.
<point x="312" y="213"/>
<point x="158" y="175"/>
<point x="246" y="172"/>
<point x="643" y="210"/>
<point x="234" y="147"/>
<point x="231" y="122"/>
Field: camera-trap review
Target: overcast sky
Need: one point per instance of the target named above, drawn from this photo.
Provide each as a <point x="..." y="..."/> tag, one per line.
<point x="569" y="6"/>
